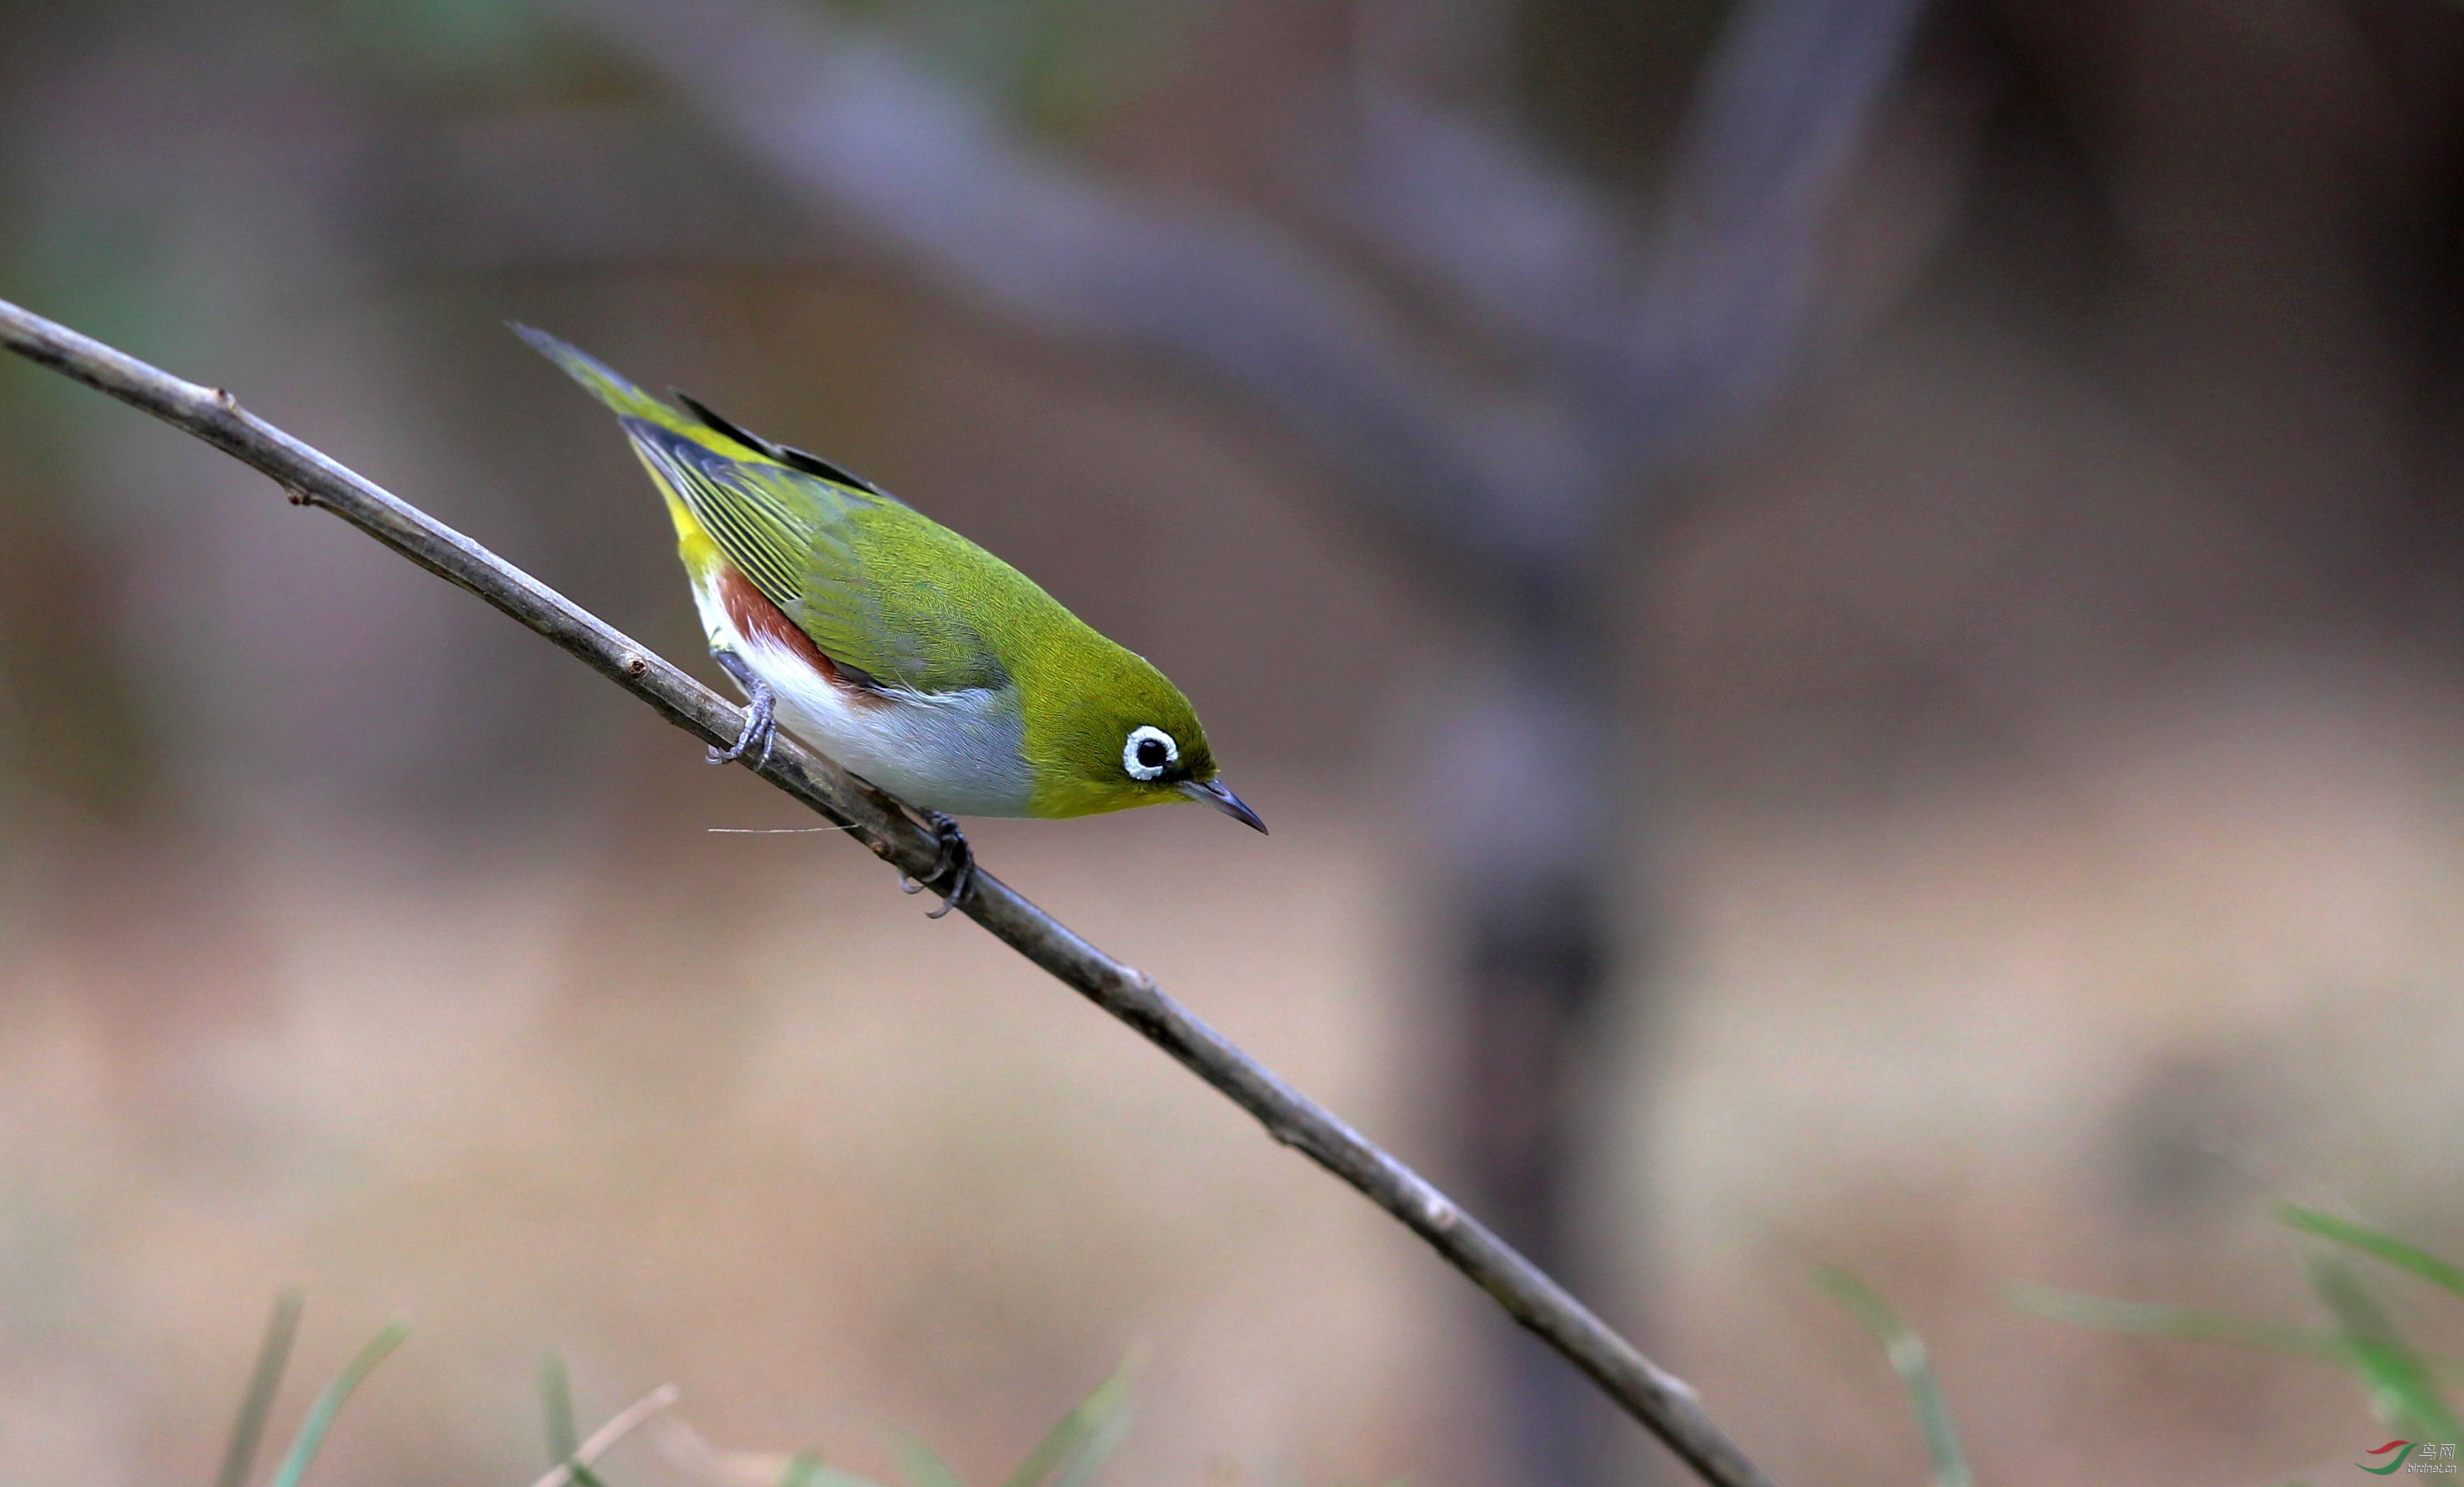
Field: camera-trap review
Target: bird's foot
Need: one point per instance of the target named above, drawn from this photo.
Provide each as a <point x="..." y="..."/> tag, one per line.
<point x="954" y="871"/>
<point x="760" y="713"/>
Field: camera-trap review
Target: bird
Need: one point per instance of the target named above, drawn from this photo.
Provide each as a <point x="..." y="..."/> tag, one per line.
<point x="905" y="652"/>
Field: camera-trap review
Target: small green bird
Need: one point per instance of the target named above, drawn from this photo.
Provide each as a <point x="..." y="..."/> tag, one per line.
<point x="896" y="647"/>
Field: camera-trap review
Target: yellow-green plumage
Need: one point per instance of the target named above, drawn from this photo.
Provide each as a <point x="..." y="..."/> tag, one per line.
<point x="969" y="680"/>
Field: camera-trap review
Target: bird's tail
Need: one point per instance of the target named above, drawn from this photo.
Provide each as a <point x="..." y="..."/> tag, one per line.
<point x="602" y="380"/>
<point x="658" y="433"/>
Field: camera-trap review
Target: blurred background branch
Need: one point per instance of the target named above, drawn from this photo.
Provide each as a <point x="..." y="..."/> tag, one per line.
<point x="873" y="143"/>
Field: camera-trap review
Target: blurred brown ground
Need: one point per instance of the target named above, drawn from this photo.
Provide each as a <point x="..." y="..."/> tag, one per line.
<point x="2062" y="837"/>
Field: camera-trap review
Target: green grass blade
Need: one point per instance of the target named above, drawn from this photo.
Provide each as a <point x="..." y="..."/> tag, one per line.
<point x="329" y="1403"/>
<point x="1068" y="1441"/>
<point x="1909" y="1358"/>
<point x="556" y="1412"/>
<point x="256" y="1404"/>
<point x="2186" y="1324"/>
<point x="1101" y="1442"/>
<point x="2401" y="1389"/>
<point x="805" y="1469"/>
<point x="919" y="1465"/>
<point x="556" y="1408"/>
<point x="2380" y="1247"/>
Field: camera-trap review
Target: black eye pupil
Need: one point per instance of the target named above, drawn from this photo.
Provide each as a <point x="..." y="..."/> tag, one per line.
<point x="1150" y="753"/>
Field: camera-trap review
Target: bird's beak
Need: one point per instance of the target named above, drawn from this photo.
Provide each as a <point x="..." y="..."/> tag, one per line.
<point x="1211" y="793"/>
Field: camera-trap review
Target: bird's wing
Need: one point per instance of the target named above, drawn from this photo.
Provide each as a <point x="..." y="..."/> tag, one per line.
<point x="878" y="586"/>
<point x="854" y="568"/>
<point x="786" y="454"/>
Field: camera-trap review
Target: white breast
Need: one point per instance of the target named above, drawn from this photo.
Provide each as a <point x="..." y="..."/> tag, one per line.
<point x="958" y="753"/>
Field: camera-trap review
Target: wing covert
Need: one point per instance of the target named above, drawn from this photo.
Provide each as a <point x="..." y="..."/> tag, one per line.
<point x="823" y="552"/>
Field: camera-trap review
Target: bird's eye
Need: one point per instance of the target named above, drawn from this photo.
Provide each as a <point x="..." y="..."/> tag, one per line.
<point x="1149" y="752"/>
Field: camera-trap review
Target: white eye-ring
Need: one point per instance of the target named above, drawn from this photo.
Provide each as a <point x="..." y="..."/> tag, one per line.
<point x="1149" y="752"/>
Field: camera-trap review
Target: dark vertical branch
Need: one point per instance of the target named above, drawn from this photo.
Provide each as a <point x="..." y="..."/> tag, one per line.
<point x="1526" y="762"/>
<point x="1657" y="359"/>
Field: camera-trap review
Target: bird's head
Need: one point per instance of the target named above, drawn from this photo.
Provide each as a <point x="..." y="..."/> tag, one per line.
<point x="1111" y="732"/>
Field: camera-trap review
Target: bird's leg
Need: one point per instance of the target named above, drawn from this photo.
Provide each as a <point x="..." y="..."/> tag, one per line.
<point x="761" y="724"/>
<point x="956" y="867"/>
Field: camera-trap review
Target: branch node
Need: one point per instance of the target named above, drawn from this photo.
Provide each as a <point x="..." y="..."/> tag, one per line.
<point x="1287" y="1133"/>
<point x="636" y="666"/>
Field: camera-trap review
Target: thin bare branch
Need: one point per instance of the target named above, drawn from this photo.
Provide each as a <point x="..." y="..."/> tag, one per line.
<point x="605" y="1438"/>
<point x="1662" y="1402"/>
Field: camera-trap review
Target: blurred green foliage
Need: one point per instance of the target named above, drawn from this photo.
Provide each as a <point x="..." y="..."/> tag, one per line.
<point x="2403" y="1386"/>
<point x="256" y="1404"/>
<point x="465" y="44"/>
<point x="1057" y="64"/>
<point x="1914" y="1366"/>
<point x="265" y="1382"/>
<point x="1069" y="1455"/>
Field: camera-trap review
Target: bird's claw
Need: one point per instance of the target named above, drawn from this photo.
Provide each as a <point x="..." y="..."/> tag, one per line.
<point x="954" y="871"/>
<point x="760" y="727"/>
<point x="760" y="714"/>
